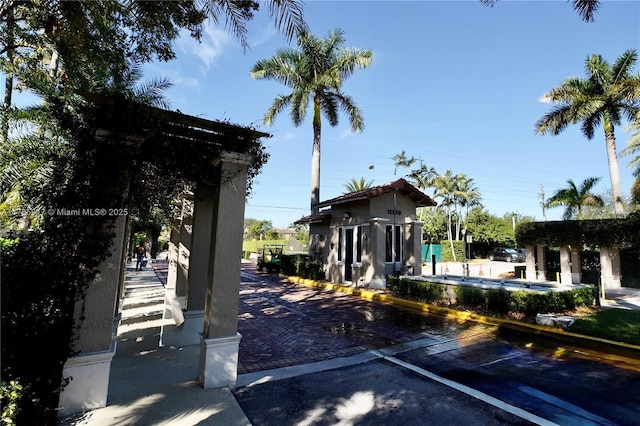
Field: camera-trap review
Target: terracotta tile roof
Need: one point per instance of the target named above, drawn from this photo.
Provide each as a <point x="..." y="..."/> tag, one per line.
<point x="323" y="216"/>
<point x="401" y="185"/>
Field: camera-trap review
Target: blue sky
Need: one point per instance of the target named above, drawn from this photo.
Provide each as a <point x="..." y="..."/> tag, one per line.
<point x="453" y="83"/>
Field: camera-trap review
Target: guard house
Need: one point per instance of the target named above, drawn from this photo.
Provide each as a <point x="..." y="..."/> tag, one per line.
<point x="363" y="236"/>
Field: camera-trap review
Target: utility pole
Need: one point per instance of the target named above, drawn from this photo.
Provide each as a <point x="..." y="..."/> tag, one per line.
<point x="542" y="203"/>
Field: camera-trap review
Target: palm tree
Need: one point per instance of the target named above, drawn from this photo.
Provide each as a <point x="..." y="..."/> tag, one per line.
<point x="574" y="198"/>
<point x="421" y="178"/>
<point x="314" y="72"/>
<point x="609" y="93"/>
<point x="467" y="195"/>
<point x="446" y="188"/>
<point x="634" y="148"/>
<point x="358" y="185"/>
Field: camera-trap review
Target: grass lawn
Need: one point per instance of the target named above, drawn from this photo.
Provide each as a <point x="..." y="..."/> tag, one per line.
<point x="620" y="325"/>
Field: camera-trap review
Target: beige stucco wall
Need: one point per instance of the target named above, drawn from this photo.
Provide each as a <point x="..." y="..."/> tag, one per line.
<point x="373" y="216"/>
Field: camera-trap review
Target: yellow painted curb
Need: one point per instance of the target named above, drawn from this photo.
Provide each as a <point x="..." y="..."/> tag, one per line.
<point x="471" y="316"/>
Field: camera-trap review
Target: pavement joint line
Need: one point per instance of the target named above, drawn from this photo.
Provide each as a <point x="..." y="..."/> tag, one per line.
<point x="523" y="414"/>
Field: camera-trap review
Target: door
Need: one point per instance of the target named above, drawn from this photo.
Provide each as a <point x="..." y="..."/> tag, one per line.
<point x="348" y="256"/>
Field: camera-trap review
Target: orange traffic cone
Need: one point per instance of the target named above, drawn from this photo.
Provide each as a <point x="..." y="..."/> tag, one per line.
<point x="480" y="272"/>
<point x="446" y="267"/>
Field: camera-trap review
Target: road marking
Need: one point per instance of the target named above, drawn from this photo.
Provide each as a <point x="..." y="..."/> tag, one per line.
<point x="573" y="409"/>
<point x="474" y="393"/>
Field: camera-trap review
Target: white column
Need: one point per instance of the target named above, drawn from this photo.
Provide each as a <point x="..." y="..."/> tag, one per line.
<point x="220" y="339"/>
<point x="184" y="251"/>
<point x="610" y="267"/>
<point x="542" y="263"/>
<point x="94" y="334"/>
<point x="531" y="262"/>
<point x="565" y="266"/>
<point x="576" y="265"/>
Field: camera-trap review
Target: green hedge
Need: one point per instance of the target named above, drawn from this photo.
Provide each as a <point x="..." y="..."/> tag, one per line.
<point x="422" y="290"/>
<point x="498" y="300"/>
<point x="622" y="233"/>
<point x="299" y="265"/>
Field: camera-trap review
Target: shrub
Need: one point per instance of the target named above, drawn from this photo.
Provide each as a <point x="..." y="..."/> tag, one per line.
<point x="299" y="265"/>
<point x="416" y="289"/>
<point x="499" y="300"/>
<point x="469" y="295"/>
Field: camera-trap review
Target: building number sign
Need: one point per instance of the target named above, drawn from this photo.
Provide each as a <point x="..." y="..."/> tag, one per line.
<point x="395" y="212"/>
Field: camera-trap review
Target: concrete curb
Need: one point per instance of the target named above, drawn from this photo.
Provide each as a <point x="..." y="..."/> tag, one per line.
<point x="614" y="351"/>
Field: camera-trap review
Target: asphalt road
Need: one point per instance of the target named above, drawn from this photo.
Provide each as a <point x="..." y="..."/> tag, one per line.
<point x="469" y="375"/>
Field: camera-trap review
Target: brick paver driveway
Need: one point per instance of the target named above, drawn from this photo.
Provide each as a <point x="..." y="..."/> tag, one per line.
<point x="286" y="324"/>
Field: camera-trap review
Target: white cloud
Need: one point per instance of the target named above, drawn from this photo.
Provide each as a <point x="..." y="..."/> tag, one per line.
<point x="267" y="33"/>
<point x="211" y="46"/>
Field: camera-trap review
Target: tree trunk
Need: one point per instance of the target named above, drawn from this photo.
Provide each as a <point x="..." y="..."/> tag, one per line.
<point x="614" y="173"/>
<point x="315" y="157"/>
<point x="8" y="84"/>
<point x="450" y="234"/>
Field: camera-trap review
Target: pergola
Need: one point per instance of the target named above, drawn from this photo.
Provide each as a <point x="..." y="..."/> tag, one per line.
<point x="216" y="158"/>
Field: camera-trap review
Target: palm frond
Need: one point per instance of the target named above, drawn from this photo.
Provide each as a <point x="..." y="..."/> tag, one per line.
<point x="329" y="105"/>
<point x="586" y="9"/>
<point x="356" y="119"/>
<point x="555" y="121"/>
<point x="620" y="70"/>
<point x="299" y="103"/>
<point x="288" y="17"/>
<point x="280" y="103"/>
<point x="152" y="92"/>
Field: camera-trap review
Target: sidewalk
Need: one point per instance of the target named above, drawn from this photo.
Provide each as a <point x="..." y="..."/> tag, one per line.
<point x="153" y="385"/>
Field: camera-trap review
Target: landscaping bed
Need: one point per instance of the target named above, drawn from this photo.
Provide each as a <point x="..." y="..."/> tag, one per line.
<point x="591" y="320"/>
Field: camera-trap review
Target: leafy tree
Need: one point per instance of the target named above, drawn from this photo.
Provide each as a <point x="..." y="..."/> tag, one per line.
<point x="314" y="72"/>
<point x="575" y="198"/>
<point x="302" y="232"/>
<point x="434" y="228"/>
<point x="358" y="185"/>
<point x="609" y="93"/>
<point x="57" y="50"/>
<point x="489" y="230"/>
<point x="259" y="228"/>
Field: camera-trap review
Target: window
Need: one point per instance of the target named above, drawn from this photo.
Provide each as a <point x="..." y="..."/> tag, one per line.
<point x="339" y="244"/>
<point x="393" y="243"/>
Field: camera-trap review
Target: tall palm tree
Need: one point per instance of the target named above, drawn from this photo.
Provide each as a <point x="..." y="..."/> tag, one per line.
<point x="358" y="184"/>
<point x="467" y="195"/>
<point x="574" y="198"/>
<point x="634" y="148"/>
<point x="314" y="72"/>
<point x="609" y="93"/>
<point x="446" y="188"/>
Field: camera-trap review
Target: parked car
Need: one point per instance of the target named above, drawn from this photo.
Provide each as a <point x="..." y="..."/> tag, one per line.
<point x="507" y="254"/>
